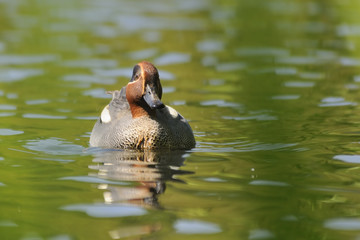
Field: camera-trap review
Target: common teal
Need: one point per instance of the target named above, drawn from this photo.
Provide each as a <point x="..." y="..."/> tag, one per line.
<point x="136" y="118"/>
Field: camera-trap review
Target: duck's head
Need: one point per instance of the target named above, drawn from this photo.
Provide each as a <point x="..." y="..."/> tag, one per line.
<point x="144" y="90"/>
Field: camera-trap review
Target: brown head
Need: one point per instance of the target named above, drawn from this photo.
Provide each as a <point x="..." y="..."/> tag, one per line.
<point x="144" y="90"/>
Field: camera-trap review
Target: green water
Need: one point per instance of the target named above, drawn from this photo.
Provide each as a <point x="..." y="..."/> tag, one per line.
<point x="270" y="88"/>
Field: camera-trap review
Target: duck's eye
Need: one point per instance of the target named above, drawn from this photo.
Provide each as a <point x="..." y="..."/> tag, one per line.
<point x="135" y="77"/>
<point x="136" y="73"/>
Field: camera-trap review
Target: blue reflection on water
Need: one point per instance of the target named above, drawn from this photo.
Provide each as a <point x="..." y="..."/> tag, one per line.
<point x="102" y="210"/>
<point x="185" y="226"/>
<point x="9" y="132"/>
<point x="346" y="224"/>
<point x="54" y="146"/>
<point x="348" y="158"/>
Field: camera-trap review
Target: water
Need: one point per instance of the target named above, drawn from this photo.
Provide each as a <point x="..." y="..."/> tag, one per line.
<point x="271" y="90"/>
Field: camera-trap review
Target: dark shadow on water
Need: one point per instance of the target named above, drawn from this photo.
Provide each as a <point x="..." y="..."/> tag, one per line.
<point x="145" y="172"/>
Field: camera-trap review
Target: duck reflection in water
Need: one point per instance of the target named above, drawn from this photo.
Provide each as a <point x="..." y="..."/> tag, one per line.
<point x="145" y="171"/>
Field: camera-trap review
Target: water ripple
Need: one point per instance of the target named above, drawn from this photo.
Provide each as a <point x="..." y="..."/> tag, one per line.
<point x="335" y="102"/>
<point x="26" y="59"/>
<point x="54" y="146"/>
<point x="348" y="61"/>
<point x="178" y="102"/>
<point x="260" y="117"/>
<point x="7" y="107"/>
<point x="12" y="95"/>
<point x="91" y="63"/>
<point x="9" y="132"/>
<point x="127" y="72"/>
<point x="348" y="30"/>
<point x="302" y="60"/>
<point x="164" y="75"/>
<point x="8" y="223"/>
<point x="96" y="93"/>
<point x="172" y="58"/>
<point x="120" y="72"/>
<point x="89" y="79"/>
<point x="357" y="78"/>
<point x="261" y="234"/>
<point x="286" y="97"/>
<point x="214" y="179"/>
<point x="285" y="71"/>
<point x="105" y="31"/>
<point x="209" y="60"/>
<point x="151" y="36"/>
<point x="87" y="118"/>
<point x="185" y="226"/>
<point x="13" y="75"/>
<point x="348" y="158"/>
<point x="268" y="146"/>
<point x="210" y="46"/>
<point x="7" y="114"/>
<point x="241" y="146"/>
<point x="299" y="84"/>
<point x="37" y="101"/>
<point x="216" y="82"/>
<point x="230" y="66"/>
<point x="2" y="46"/>
<point x="265" y="51"/>
<point x="345" y="224"/>
<point x="137" y="23"/>
<point x="220" y="103"/>
<point x="276" y="70"/>
<point x="351" y="86"/>
<point x="102" y="210"/>
<point x="143" y="54"/>
<point x="312" y="75"/>
<point x="169" y="89"/>
<point x="42" y="116"/>
<point x="269" y="183"/>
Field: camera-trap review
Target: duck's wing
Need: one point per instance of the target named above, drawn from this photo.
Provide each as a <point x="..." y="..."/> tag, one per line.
<point x="117" y="108"/>
<point x="119" y="101"/>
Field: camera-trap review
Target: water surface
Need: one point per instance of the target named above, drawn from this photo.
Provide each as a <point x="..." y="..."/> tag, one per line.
<point x="271" y="90"/>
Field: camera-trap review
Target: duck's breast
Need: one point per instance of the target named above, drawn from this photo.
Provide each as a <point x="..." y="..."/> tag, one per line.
<point x="167" y="130"/>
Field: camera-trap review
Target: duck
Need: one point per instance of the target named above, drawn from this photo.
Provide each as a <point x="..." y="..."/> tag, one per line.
<point x="136" y="118"/>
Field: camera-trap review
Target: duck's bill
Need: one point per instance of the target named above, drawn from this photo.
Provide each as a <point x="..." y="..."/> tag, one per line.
<point x="152" y="99"/>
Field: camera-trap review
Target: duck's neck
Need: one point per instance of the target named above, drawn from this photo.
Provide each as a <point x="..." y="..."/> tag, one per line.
<point x="140" y="111"/>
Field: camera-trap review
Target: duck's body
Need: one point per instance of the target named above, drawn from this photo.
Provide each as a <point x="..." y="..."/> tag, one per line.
<point x="137" y="119"/>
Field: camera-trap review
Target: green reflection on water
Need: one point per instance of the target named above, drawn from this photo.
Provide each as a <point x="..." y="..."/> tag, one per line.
<point x="270" y="89"/>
